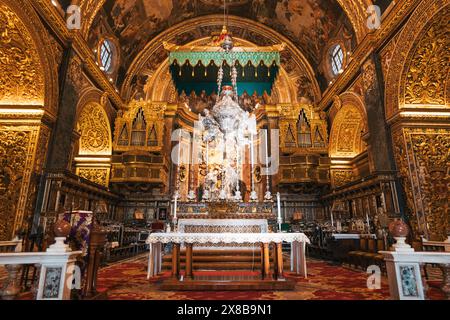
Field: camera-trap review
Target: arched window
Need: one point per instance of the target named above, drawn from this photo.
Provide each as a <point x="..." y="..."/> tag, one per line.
<point x="337" y="59"/>
<point x="106" y="55"/>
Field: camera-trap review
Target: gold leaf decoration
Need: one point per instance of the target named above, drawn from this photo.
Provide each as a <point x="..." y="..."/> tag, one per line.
<point x="13" y="157"/>
<point x="342" y="177"/>
<point x="428" y="70"/>
<point x="95" y="131"/>
<point x="22" y="77"/>
<point x="96" y="175"/>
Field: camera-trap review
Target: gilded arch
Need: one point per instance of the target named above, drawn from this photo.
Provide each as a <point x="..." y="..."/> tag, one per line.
<point x="154" y="49"/>
<point x="160" y="86"/>
<point x="29" y="76"/>
<point x="348" y="125"/>
<point x="412" y="57"/>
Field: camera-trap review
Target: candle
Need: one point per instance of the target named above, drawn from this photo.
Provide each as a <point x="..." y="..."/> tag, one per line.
<point x="279" y="210"/>
<point x="252" y="156"/>
<point x="332" y="221"/>
<point x="267" y="151"/>
<point x="175" y="206"/>
<point x="368" y="223"/>
<point x="207" y="155"/>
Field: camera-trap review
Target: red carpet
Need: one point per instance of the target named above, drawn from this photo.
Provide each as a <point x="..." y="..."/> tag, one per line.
<point x="127" y="281"/>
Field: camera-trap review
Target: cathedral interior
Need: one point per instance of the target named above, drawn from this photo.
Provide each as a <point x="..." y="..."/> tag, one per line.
<point x="120" y="120"/>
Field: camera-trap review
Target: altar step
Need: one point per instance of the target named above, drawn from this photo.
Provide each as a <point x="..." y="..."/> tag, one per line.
<point x="220" y="260"/>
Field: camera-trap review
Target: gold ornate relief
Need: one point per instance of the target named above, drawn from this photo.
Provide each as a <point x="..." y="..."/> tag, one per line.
<point x="368" y="76"/>
<point x="17" y="147"/>
<point x="76" y="76"/>
<point x="428" y="70"/>
<point x="22" y="77"/>
<point x="341" y="177"/>
<point x="95" y="131"/>
<point x="345" y="137"/>
<point x="426" y="14"/>
<point x="423" y="159"/>
<point x="432" y="154"/>
<point x="97" y="175"/>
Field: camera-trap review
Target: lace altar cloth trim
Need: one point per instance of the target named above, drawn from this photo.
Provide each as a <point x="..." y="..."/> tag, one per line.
<point x="222" y="225"/>
<point x="226" y="237"/>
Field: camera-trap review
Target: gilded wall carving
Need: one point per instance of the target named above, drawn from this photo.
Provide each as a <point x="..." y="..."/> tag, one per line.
<point x="22" y="77"/>
<point x="341" y="177"/>
<point x="428" y="70"/>
<point x="76" y="76"/>
<point x="368" y="76"/>
<point x="17" y="145"/>
<point x="423" y="159"/>
<point x="416" y="217"/>
<point x="40" y="156"/>
<point x="345" y="137"/>
<point x="96" y="175"/>
<point x="432" y="155"/>
<point x="414" y="30"/>
<point x="95" y="131"/>
<point x="387" y="55"/>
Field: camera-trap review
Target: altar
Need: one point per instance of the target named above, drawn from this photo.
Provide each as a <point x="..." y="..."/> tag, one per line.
<point x="298" y="243"/>
<point x="223" y="226"/>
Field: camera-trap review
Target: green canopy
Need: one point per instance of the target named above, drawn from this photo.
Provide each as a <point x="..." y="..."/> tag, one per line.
<point x="205" y="57"/>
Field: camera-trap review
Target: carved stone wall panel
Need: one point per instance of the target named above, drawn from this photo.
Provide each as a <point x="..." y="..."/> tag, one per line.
<point x="341" y="177"/>
<point x="17" y="148"/>
<point x="40" y="157"/>
<point x="387" y="54"/>
<point x="95" y="131"/>
<point x="411" y="34"/>
<point x="423" y="159"/>
<point x="345" y="137"/>
<point x="428" y="65"/>
<point x="416" y="217"/>
<point x="76" y="75"/>
<point x="432" y="157"/>
<point x="22" y="76"/>
<point x="96" y="175"/>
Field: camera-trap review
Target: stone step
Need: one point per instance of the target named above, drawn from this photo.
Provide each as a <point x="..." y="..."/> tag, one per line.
<point x="217" y="265"/>
<point x="221" y="260"/>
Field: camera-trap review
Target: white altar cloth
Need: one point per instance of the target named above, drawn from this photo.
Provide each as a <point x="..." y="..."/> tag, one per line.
<point x="298" y="242"/>
<point x="184" y="224"/>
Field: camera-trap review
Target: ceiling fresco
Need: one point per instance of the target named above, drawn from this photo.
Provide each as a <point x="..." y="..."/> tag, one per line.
<point x="310" y="24"/>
